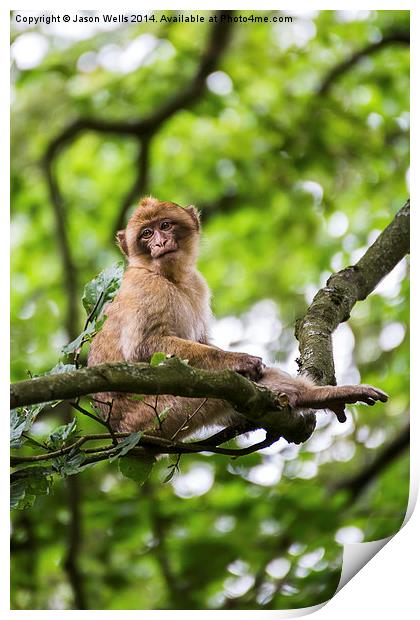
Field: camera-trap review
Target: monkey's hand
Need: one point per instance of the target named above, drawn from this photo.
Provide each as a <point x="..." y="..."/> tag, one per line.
<point x="249" y="366"/>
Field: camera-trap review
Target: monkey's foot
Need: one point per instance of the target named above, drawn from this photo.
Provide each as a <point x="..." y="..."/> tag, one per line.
<point x="336" y="398"/>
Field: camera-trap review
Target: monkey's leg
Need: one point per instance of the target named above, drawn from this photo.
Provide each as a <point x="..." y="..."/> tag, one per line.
<point x="302" y="392"/>
<point x="320" y="397"/>
<point x="335" y="397"/>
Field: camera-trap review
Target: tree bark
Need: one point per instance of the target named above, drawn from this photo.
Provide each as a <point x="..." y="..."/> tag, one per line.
<point x="333" y="304"/>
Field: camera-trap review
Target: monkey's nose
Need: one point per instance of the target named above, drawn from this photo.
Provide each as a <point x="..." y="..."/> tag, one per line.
<point x="161" y="244"/>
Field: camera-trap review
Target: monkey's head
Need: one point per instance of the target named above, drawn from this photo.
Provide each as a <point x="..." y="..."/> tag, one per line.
<point x="161" y="235"/>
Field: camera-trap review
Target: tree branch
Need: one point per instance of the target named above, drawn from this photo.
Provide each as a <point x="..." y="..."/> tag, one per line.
<point x="151" y="443"/>
<point x="171" y="377"/>
<point x="398" y="37"/>
<point x="332" y="304"/>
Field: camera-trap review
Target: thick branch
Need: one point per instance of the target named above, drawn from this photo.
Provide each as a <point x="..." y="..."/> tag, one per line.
<point x="398" y="37"/>
<point x="332" y="305"/>
<point x="171" y="377"/>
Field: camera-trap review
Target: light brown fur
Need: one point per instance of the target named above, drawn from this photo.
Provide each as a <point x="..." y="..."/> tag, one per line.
<point x="164" y="305"/>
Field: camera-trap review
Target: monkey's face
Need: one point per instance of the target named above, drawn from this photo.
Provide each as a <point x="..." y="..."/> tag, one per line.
<point x="159" y="238"/>
<point x="161" y="232"/>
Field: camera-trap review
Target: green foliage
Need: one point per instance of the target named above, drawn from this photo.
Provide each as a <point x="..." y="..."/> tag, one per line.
<point x="60" y="435"/>
<point x="97" y="293"/>
<point x="69" y="464"/>
<point x="101" y="290"/>
<point x="291" y="186"/>
<point x="126" y="445"/>
<point x="157" y="358"/>
<point x="21" y="420"/>
<point x="27" y="483"/>
<point x="63" y="453"/>
<point x="85" y="336"/>
<point x="137" y="468"/>
<point x="60" y="368"/>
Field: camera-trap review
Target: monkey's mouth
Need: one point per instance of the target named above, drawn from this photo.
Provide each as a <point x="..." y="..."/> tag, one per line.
<point x="159" y="252"/>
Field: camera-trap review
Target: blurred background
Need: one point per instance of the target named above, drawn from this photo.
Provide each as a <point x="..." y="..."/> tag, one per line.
<point x="293" y="141"/>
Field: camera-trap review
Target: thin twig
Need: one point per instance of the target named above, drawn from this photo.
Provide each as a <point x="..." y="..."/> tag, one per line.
<point x="16" y="460"/>
<point x="40" y="445"/>
<point x="188" y="419"/>
<point x="88" y="414"/>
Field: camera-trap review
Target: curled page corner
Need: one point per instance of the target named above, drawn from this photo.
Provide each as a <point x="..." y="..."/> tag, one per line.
<point x="356" y="555"/>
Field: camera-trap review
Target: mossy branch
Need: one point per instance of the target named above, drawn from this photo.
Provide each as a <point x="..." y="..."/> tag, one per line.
<point x="170" y="377"/>
<point x="333" y="304"/>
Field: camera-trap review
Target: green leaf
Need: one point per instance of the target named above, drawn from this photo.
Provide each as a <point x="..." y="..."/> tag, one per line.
<point x="21" y="420"/>
<point x="102" y="289"/>
<point x="126" y="445"/>
<point x="86" y="335"/>
<point x="175" y="458"/>
<point x="98" y="324"/>
<point x="164" y="413"/>
<point x="31" y="443"/>
<point x="170" y="475"/>
<point x="70" y="464"/>
<point x="157" y="358"/>
<point x="17" y="495"/>
<point x="27" y="483"/>
<point x="60" y="368"/>
<point x="62" y="433"/>
<point x="137" y="468"/>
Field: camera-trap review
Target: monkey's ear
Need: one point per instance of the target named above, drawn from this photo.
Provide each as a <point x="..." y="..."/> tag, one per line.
<point x="122" y="242"/>
<point x="195" y="215"/>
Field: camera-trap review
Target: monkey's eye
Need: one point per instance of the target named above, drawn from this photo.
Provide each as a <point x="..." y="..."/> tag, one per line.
<point x="146" y="233"/>
<point x="165" y="225"/>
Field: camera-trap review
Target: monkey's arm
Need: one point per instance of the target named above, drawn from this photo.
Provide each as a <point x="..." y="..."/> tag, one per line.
<point x="159" y="318"/>
<point x="206" y="356"/>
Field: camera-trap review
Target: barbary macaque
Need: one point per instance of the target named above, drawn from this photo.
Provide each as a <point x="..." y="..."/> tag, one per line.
<point x="164" y="305"/>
